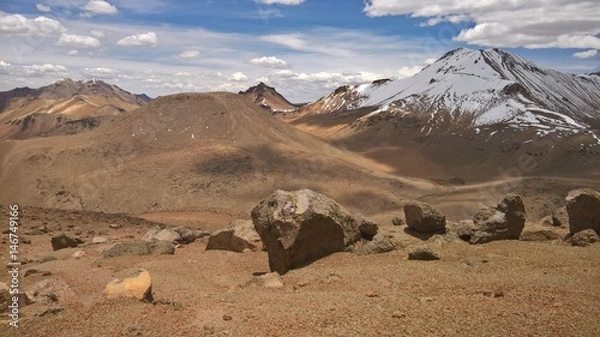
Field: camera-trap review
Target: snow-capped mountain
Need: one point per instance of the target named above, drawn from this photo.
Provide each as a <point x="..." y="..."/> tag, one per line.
<point x="479" y="88"/>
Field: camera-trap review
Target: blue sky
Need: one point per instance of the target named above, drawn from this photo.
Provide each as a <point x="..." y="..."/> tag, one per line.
<point x="305" y="48"/>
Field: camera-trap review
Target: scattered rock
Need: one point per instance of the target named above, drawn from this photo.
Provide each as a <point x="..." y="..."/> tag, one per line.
<point x="26" y="241"/>
<point x="50" y="291"/>
<point x="379" y="244"/>
<point x="99" y="239"/>
<point x="182" y="236"/>
<point x="300" y="227"/>
<point x="114" y="226"/>
<point x="367" y="228"/>
<point x="504" y="222"/>
<point x="64" y="241"/>
<point x="78" y="254"/>
<point x="584" y="238"/>
<point x="138" y="287"/>
<point x="423" y="218"/>
<point x="541" y="233"/>
<point x="398" y="314"/>
<point x="560" y="217"/>
<point x="162" y="248"/>
<point x="133" y="247"/>
<point x="227" y="317"/>
<point x="423" y="253"/>
<point x="464" y="229"/>
<point x="583" y="208"/>
<point x="30" y="272"/>
<point x="268" y="280"/>
<point x="398" y="221"/>
<point x="239" y="235"/>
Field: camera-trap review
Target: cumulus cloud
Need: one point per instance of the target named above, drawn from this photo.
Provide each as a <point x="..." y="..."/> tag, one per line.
<point x="189" y="54"/>
<point x="79" y="41"/>
<point x="143" y="39"/>
<point x="498" y="23"/>
<point x="43" y="8"/>
<point x="34" y="70"/>
<point x="4" y="64"/>
<point x="586" y="54"/>
<point x="17" y="24"/>
<point x="238" y="77"/>
<point x="99" y="72"/>
<point x="269" y="62"/>
<point x="98" y="7"/>
<point x="280" y="2"/>
<point x="73" y="52"/>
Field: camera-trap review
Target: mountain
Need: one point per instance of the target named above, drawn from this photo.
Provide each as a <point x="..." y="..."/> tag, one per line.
<point x="480" y="88"/>
<point x="469" y="115"/>
<point x="25" y="112"/>
<point x="268" y="98"/>
<point x="188" y="152"/>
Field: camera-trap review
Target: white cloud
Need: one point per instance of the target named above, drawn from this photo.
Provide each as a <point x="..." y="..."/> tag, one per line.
<point x="79" y="41"/>
<point x="499" y="23"/>
<point x="73" y="52"/>
<point x="98" y="7"/>
<point x="4" y="64"/>
<point x="269" y="62"/>
<point x="189" y="54"/>
<point x="43" y="8"/>
<point x="97" y="33"/>
<point x="238" y="77"/>
<point x="99" y="72"/>
<point x="35" y="70"/>
<point x="280" y="2"/>
<point x="586" y="54"/>
<point x="17" y="24"/>
<point x="144" y="39"/>
<point x="408" y="71"/>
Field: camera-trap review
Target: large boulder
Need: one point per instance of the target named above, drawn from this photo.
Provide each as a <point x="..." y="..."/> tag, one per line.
<point x="503" y="222"/>
<point x="423" y="218"/>
<point x="178" y="235"/>
<point x="238" y="236"/>
<point x="583" y="207"/>
<point x="300" y="227"/>
<point x="139" y="247"/>
<point x="542" y="233"/>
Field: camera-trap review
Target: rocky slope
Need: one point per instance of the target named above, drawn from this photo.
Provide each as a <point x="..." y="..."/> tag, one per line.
<point x="268" y="98"/>
<point x="25" y="112"/>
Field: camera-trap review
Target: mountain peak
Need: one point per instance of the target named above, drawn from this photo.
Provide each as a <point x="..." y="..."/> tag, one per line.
<point x="268" y="97"/>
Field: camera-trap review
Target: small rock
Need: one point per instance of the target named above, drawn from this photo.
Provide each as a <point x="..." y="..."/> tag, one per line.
<point x="398" y="314"/>
<point x="379" y="244"/>
<point x="78" y="254"/>
<point x="560" y="217"/>
<point x="114" y="226"/>
<point x="423" y="253"/>
<point x="64" y="241"/>
<point x="133" y="247"/>
<point x="30" y="272"/>
<point x="542" y="233"/>
<point x="367" y="228"/>
<point x="584" y="238"/>
<point x="99" y="239"/>
<point x="239" y="235"/>
<point x="138" y="287"/>
<point x="26" y="241"/>
<point x="423" y="218"/>
<point x="398" y="221"/>
<point x="162" y="248"/>
<point x="227" y="317"/>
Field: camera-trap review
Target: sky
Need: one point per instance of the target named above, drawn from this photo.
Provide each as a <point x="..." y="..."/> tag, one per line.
<point x="304" y="48"/>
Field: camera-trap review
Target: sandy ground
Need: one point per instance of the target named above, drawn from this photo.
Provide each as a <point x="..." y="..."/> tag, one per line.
<point x="508" y="288"/>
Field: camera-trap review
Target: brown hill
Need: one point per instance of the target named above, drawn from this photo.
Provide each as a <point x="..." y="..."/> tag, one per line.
<point x="26" y="112"/>
<point x="191" y="152"/>
<point x="268" y="98"/>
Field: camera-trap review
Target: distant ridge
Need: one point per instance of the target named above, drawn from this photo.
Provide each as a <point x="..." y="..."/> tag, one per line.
<point x="268" y="98"/>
